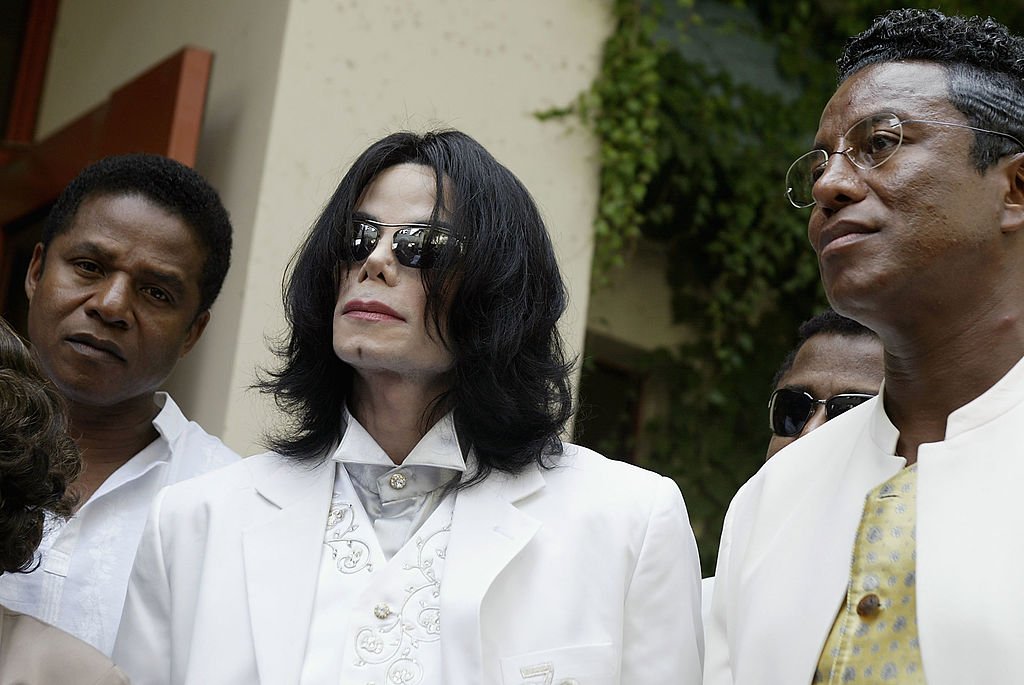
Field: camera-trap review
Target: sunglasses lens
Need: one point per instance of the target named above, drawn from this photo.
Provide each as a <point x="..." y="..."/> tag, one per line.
<point x="413" y="249"/>
<point x="788" y="412"/>
<point x="841" y="404"/>
<point x="363" y="240"/>
<point x="420" y="248"/>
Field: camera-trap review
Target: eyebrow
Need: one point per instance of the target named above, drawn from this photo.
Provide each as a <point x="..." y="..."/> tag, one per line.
<point x="165" y="279"/>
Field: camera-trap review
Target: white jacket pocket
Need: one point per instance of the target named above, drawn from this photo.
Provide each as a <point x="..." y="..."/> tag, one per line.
<point x="581" y="665"/>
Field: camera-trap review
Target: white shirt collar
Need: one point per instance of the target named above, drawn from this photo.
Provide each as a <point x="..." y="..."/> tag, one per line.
<point x="1004" y="395"/>
<point x="439" y="447"/>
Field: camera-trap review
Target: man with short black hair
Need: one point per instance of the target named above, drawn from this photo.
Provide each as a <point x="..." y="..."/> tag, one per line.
<point x="885" y="546"/>
<point x="133" y="256"/>
<point x="837" y="364"/>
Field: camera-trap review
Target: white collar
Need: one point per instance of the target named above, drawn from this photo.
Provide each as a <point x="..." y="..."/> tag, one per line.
<point x="439" y="447"/>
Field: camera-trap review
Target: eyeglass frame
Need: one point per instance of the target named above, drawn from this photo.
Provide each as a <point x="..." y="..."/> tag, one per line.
<point x="815" y="403"/>
<point x="826" y="156"/>
<point x="403" y="229"/>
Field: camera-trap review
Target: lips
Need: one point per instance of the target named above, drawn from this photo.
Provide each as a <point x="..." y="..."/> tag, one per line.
<point x="371" y="310"/>
<point x="839" y="233"/>
<point x="90" y="344"/>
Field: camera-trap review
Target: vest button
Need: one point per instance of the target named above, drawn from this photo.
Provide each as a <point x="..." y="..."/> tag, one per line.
<point x="397" y="480"/>
<point x="869" y="606"/>
<point x="382" y="611"/>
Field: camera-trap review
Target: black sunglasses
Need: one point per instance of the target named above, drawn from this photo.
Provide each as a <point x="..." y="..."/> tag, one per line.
<point x="789" y="410"/>
<point x="415" y="245"/>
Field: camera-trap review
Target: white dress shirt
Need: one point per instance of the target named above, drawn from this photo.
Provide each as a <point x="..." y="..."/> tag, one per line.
<point x="398" y="499"/>
<point x="79" y="585"/>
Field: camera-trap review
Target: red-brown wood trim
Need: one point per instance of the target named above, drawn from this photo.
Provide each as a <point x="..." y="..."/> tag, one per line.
<point x="28" y="83"/>
<point x="159" y="112"/>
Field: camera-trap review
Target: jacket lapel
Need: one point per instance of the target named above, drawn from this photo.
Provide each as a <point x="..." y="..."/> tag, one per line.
<point x="488" y="531"/>
<point x="282" y="562"/>
<point x="800" y="570"/>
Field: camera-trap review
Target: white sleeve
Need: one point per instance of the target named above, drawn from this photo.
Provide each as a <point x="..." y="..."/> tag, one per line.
<point x="663" y="640"/>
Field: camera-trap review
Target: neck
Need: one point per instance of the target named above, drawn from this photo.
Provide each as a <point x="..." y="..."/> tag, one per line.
<point x="930" y="374"/>
<point x="393" y="410"/>
<point x="108" y="437"/>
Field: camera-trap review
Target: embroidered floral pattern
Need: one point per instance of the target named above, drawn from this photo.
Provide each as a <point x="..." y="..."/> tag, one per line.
<point x="350" y="554"/>
<point x="394" y="642"/>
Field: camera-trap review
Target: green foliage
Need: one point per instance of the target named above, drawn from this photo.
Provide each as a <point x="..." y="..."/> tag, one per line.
<point x="694" y="157"/>
<point x="621" y="108"/>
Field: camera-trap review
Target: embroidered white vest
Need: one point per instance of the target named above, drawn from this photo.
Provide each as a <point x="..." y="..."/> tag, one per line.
<point x="376" y="621"/>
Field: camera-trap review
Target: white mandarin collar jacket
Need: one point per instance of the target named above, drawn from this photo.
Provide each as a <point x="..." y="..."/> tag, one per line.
<point x="588" y="571"/>
<point x="787" y="543"/>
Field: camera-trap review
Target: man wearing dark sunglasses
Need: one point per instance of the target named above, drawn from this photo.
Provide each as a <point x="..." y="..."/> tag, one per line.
<point x="885" y="547"/>
<point x="419" y="520"/>
<point x="836" y="365"/>
<point x="835" y="359"/>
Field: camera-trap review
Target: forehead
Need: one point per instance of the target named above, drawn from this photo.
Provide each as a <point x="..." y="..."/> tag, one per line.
<point x="402" y="193"/>
<point x="132" y="227"/>
<point x="907" y="89"/>
<point x="829" y="363"/>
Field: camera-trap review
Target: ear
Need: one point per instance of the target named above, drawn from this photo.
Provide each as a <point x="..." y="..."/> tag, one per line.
<point x="1013" y="202"/>
<point x="195" y="331"/>
<point x="35" y="270"/>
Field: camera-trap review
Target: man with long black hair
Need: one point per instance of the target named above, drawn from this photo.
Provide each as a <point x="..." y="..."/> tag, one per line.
<point x="419" y="520"/>
<point x="885" y="546"/>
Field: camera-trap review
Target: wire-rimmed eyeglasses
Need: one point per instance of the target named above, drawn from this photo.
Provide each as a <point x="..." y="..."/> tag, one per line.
<point x="870" y="143"/>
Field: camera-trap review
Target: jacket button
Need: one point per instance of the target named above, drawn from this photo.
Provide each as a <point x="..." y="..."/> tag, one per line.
<point x="382" y="611"/>
<point x="869" y="606"/>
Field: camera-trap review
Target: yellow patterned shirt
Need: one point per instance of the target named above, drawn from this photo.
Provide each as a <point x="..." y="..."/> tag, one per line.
<point x="874" y="637"/>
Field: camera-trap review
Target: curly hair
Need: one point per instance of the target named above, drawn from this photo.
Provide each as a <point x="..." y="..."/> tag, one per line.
<point x="169" y="185"/>
<point x="500" y="300"/>
<point x="984" y="64"/>
<point x="825" y="323"/>
<point x="38" y="459"/>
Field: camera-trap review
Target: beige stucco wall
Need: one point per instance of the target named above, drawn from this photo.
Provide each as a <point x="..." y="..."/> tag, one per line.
<point x="100" y="45"/>
<point x="300" y="87"/>
<point x="635" y="307"/>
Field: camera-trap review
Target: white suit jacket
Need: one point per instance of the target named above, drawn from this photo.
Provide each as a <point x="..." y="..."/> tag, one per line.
<point x="787" y="542"/>
<point x="587" y="570"/>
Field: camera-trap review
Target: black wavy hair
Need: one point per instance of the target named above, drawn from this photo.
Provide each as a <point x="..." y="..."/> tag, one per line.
<point x="510" y="390"/>
<point x="171" y="186"/>
<point x="827" y="322"/>
<point x="984" y="64"/>
<point x="38" y="460"/>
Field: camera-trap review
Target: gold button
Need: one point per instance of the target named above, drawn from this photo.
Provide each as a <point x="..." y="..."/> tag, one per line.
<point x="869" y="606"/>
<point x="382" y="611"/>
<point x="397" y="480"/>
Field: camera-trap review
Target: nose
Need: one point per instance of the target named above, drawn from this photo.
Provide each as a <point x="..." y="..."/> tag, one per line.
<point x="381" y="263"/>
<point x="816" y="421"/>
<point x="111" y="302"/>
<point x="840" y="183"/>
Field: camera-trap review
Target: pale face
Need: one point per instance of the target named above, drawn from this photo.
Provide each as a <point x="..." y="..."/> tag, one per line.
<point x="113" y="306"/>
<point x="828" y="365"/>
<point x="890" y="240"/>
<point x="380" y="327"/>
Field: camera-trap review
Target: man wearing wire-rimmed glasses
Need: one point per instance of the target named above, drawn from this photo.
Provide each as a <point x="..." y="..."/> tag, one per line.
<point x="885" y="547"/>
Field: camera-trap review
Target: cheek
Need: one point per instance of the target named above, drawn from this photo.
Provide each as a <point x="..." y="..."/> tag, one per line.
<point x="777" y="443"/>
